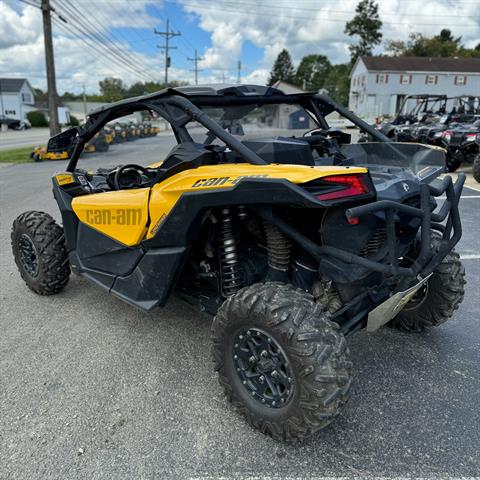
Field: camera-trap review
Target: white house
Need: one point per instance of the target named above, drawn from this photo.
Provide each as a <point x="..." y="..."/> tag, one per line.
<point x="17" y="98"/>
<point x="378" y="85"/>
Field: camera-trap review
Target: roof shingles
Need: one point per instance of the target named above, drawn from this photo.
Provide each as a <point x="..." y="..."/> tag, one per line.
<point x="11" y="84"/>
<point x="422" y="64"/>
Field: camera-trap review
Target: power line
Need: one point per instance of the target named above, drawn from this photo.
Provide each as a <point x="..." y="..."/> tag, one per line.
<point x="206" y="6"/>
<point x="103" y="42"/>
<point x="92" y="47"/>
<point x="36" y="5"/>
<point x="168" y="34"/>
<point x="112" y="37"/>
<point x="316" y="9"/>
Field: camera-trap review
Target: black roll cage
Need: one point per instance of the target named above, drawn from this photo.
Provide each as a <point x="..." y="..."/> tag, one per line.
<point x="178" y="110"/>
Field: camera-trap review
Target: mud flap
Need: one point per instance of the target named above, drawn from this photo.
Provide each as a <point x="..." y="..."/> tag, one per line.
<point x="391" y="308"/>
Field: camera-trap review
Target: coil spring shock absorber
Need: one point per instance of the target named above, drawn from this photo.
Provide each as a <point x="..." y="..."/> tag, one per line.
<point x="278" y="248"/>
<point x="230" y="274"/>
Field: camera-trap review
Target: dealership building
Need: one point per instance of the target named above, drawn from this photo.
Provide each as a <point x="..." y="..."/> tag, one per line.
<point x="379" y="85"/>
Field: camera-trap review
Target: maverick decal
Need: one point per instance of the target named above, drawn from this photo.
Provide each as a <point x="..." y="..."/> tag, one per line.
<point x="120" y="216"/>
<point x="217" y="181"/>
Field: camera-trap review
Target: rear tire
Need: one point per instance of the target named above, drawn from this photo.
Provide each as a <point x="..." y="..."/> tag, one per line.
<point x="38" y="245"/>
<point x="298" y="331"/>
<point x="443" y="295"/>
<point x="476" y="168"/>
<point x="454" y="161"/>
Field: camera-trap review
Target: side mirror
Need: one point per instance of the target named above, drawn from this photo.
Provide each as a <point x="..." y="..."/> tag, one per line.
<point x="63" y="141"/>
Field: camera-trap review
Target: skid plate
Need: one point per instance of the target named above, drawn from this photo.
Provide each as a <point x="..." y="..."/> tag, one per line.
<point x="391" y="308"/>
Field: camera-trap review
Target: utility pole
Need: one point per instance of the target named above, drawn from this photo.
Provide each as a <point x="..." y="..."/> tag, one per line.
<point x="84" y="103"/>
<point x="168" y="35"/>
<point x="239" y="71"/>
<point x="50" y="65"/>
<point x="195" y="61"/>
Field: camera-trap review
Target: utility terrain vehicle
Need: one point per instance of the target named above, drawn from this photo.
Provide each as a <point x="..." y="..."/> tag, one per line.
<point x="265" y="217"/>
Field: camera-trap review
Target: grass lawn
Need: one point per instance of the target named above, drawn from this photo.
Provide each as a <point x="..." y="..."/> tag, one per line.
<point x="16" y="155"/>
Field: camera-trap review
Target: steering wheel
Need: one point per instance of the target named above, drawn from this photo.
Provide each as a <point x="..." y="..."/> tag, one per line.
<point x="136" y="180"/>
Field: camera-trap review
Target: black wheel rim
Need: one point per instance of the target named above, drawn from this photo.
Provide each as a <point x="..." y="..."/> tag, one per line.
<point x="28" y="255"/>
<point x="263" y="367"/>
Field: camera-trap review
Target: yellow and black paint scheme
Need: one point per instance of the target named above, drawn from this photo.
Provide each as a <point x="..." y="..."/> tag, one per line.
<point x="133" y="242"/>
<point x="40" y="153"/>
<point x="130" y="216"/>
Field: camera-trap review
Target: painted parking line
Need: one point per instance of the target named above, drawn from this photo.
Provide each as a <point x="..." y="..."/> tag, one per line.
<point x="463" y="197"/>
<point x="470" y="256"/>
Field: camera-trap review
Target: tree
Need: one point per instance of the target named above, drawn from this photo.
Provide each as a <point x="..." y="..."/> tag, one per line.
<point x="367" y="25"/>
<point x="311" y="72"/>
<point x="112" y="89"/>
<point x="442" y="45"/>
<point x="337" y="82"/>
<point x="282" y="69"/>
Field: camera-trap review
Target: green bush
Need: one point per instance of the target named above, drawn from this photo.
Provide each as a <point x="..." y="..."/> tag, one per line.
<point x="37" y="119"/>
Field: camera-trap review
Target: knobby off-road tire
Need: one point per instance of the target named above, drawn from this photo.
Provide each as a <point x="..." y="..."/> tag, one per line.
<point x="38" y="245"/>
<point x="476" y="168"/>
<point x="313" y="346"/>
<point x="443" y="295"/>
<point x="454" y="161"/>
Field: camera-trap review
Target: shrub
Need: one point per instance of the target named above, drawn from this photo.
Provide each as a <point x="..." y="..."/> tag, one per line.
<point x="37" y="119"/>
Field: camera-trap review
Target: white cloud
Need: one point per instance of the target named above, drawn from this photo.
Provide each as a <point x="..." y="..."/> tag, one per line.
<point x="318" y="27"/>
<point x="22" y="47"/>
<point x="303" y="27"/>
<point x="18" y="28"/>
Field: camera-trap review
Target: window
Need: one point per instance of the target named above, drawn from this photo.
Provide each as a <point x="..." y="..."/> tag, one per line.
<point x="460" y="80"/>
<point x="26" y="98"/>
<point x="431" y="79"/>
<point x="382" y="77"/>
<point x="405" y="79"/>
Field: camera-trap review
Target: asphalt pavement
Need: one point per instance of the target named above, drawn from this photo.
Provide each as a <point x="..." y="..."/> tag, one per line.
<point x="91" y="388"/>
<point x="23" y="138"/>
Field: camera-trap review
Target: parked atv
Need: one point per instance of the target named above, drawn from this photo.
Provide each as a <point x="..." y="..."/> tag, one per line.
<point x="461" y="143"/>
<point x="292" y="243"/>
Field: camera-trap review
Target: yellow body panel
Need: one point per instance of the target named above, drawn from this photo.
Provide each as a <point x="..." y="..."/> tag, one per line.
<point x="121" y="215"/>
<point x="165" y="195"/>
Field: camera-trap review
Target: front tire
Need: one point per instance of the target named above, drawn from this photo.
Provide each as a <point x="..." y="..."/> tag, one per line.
<point x="279" y="333"/>
<point x="38" y="245"/>
<point x="476" y="168"/>
<point x="435" y="305"/>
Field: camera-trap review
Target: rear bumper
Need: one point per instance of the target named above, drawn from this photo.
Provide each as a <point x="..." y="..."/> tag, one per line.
<point x="446" y="221"/>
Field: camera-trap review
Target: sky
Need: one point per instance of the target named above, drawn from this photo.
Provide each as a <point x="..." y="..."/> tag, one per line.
<point x="98" y="38"/>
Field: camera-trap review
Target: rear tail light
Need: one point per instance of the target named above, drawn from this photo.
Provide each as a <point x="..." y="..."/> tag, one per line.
<point x="447" y="135"/>
<point x="347" y="186"/>
<point x="471" y="137"/>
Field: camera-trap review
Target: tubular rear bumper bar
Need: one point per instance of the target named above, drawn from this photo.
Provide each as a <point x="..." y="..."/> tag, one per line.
<point x="426" y="261"/>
